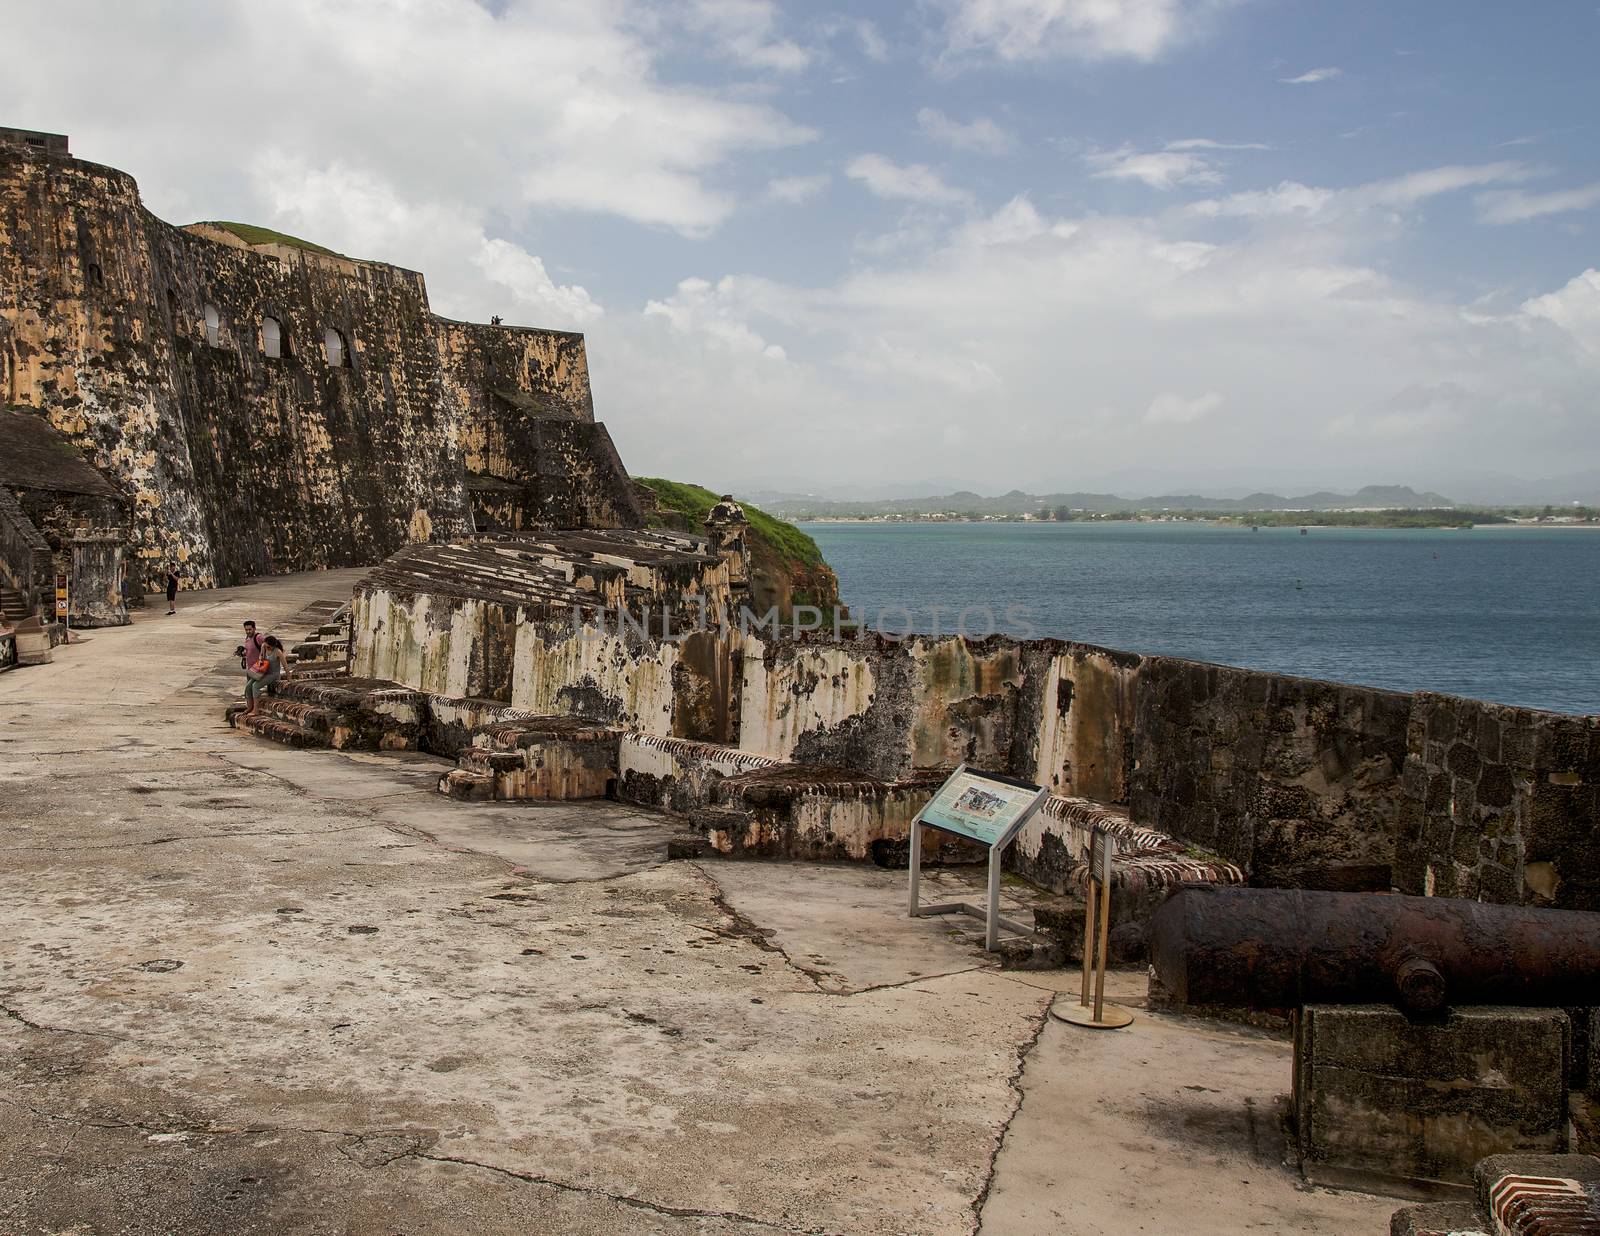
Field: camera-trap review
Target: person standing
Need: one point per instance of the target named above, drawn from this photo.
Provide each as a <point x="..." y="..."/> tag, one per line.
<point x="172" y="588"/>
<point x="250" y="650"/>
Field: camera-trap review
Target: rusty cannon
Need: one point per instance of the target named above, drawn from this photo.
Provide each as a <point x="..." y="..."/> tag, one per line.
<point x="1282" y="948"/>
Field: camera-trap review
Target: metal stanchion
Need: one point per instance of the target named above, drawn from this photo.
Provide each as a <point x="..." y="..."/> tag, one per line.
<point x="1097" y="1014"/>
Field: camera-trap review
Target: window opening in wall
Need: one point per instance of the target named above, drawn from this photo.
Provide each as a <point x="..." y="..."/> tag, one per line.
<point x="172" y="308"/>
<point x="337" y="349"/>
<point x="272" y="337"/>
<point x="213" y="326"/>
<point x="96" y="277"/>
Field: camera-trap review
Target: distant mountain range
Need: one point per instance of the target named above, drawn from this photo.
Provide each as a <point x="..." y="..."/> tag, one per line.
<point x="1016" y="502"/>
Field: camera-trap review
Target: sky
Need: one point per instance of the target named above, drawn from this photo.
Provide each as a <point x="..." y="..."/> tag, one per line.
<point x="1138" y="245"/>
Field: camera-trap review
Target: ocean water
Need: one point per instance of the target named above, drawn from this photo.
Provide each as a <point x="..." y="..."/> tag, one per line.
<point x="1506" y="614"/>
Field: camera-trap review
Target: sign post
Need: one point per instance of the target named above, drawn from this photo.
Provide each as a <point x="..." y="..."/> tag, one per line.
<point x="1096" y="931"/>
<point x="986" y="808"/>
<point x="63" y="596"/>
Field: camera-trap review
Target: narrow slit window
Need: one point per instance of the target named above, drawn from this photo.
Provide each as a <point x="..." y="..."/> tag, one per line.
<point x="213" y="326"/>
<point x="337" y="348"/>
<point x="272" y="337"/>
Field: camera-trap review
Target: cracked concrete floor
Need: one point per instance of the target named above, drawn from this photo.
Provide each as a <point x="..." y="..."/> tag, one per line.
<point x="245" y="989"/>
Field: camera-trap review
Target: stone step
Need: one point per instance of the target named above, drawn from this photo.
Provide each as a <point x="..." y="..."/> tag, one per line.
<point x="13" y="607"/>
<point x="310" y="716"/>
<point x="286" y="732"/>
<point x="322" y="671"/>
<point x="320" y="650"/>
<point x="332" y="628"/>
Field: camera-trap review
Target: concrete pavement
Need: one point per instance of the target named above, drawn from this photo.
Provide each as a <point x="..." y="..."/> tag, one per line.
<point x="247" y="989"/>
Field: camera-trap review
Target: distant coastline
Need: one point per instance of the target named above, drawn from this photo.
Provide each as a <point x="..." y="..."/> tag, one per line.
<point x="1462" y="519"/>
<point x="1373" y="506"/>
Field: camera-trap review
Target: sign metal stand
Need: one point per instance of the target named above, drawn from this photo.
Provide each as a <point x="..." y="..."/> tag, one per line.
<point x="986" y="808"/>
<point x="1096" y="931"/>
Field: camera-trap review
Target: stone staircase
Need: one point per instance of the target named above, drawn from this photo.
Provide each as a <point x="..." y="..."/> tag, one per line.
<point x="330" y="638"/>
<point x="13" y="607"/>
<point x="337" y="712"/>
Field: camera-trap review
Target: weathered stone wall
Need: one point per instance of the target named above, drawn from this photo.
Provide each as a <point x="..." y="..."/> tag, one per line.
<point x="24" y="553"/>
<point x="1294" y="779"/>
<point x="86" y="535"/>
<point x="1301" y="783"/>
<point x="1501" y="804"/>
<point x="241" y="463"/>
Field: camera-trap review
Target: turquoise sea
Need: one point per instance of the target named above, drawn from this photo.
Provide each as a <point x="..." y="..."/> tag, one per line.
<point x="1507" y="614"/>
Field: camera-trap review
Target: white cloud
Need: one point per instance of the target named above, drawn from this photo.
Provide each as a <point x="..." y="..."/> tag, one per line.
<point x="362" y="214"/>
<point x="1287" y="198"/>
<point x="1575" y="308"/>
<point x="744" y="30"/>
<point x="1162" y="170"/>
<point x="1019" y="30"/>
<point x="1312" y="76"/>
<point x="911" y="182"/>
<point x="863" y="32"/>
<point x="543" y="300"/>
<point x="961" y="370"/>
<point x="1206" y="143"/>
<point x="795" y="190"/>
<point x="1416" y="186"/>
<point x="1515" y="206"/>
<point x="1285" y="341"/>
<point x="1170" y="409"/>
<point x="558" y="104"/>
<point x="980" y="134"/>
<point x="1290" y="197"/>
<point x="1014" y="223"/>
<point x="715" y="312"/>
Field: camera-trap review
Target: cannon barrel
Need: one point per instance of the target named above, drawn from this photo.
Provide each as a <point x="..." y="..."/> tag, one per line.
<point x="1280" y="948"/>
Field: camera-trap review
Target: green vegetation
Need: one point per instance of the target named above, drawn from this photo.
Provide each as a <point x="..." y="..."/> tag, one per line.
<point x="786" y="567"/>
<point x="253" y="235"/>
<point x="695" y="502"/>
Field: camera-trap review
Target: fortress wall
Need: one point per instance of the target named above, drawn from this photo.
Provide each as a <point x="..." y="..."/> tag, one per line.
<point x="1296" y="780"/>
<point x="1500" y="803"/>
<point x="1302" y="783"/>
<point x="1075" y="719"/>
<point x="242" y="464"/>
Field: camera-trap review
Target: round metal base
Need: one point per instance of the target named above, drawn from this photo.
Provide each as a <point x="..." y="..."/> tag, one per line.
<point x="1112" y="1016"/>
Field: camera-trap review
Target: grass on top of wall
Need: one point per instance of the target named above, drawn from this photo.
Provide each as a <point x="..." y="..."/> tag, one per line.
<point x="694" y="502"/>
<point x="251" y="234"/>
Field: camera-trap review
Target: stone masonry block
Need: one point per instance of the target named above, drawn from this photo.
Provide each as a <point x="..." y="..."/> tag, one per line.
<point x="1380" y="1096"/>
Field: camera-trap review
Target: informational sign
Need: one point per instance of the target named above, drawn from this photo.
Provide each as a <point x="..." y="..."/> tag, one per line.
<point x="985" y="807"/>
<point x="61" y="597"/>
